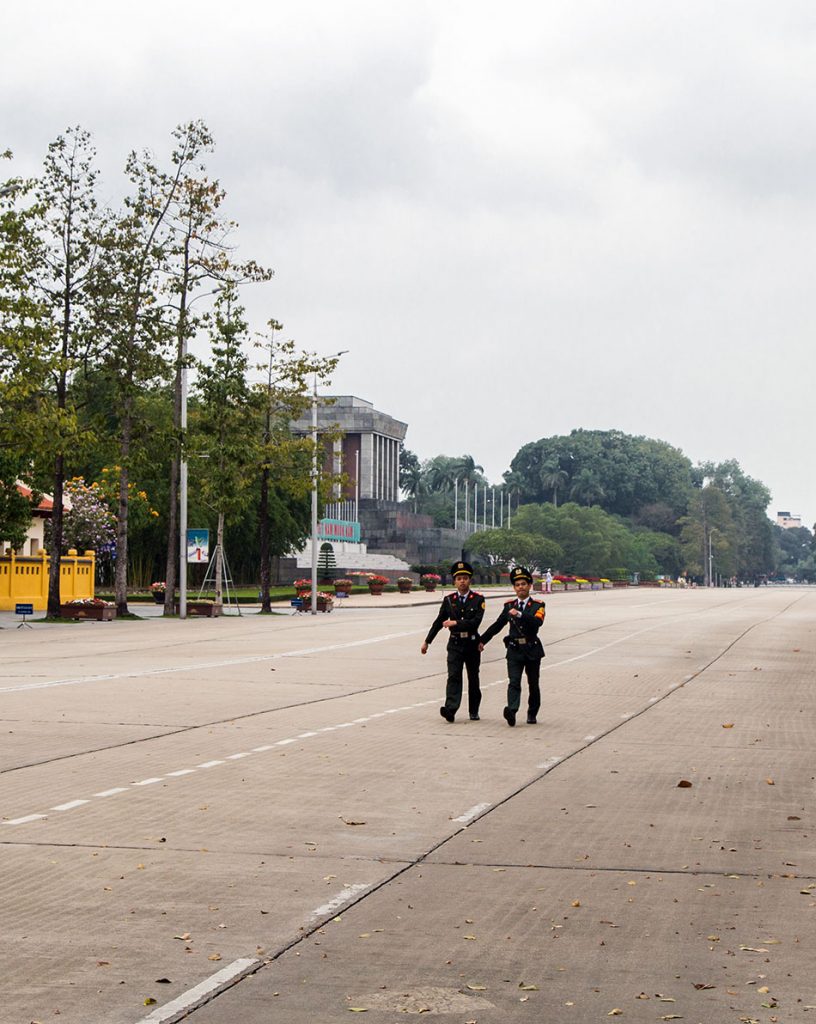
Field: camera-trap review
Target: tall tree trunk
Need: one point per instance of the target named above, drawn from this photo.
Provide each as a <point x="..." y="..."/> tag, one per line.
<point x="57" y="520"/>
<point x="121" y="574"/>
<point x="172" y="540"/>
<point x="263" y="524"/>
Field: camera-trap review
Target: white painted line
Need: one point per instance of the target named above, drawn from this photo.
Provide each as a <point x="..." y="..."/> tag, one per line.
<point x="26" y="819"/>
<point x="260" y="750"/>
<point x="194" y="997"/>
<point x="112" y="792"/>
<point x="346" y="895"/>
<point x="201" y="666"/>
<point x="590" y="738"/>
<point x="149" y="782"/>
<point x="306" y="735"/>
<point x="70" y="805"/>
<point x="180" y="772"/>
<point x="209" y="764"/>
<point x="653" y="700"/>
<point x="473" y="812"/>
<point x="283" y="743"/>
<point x="348" y="725"/>
<point x="237" y="757"/>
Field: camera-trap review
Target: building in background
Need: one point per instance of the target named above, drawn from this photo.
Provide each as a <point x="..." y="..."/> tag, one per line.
<point x="788" y="521"/>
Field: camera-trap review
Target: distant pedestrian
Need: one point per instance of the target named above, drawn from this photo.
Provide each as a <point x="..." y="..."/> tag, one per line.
<point x="460" y="612"/>
<point x="548" y="582"/>
<point x="524" y="651"/>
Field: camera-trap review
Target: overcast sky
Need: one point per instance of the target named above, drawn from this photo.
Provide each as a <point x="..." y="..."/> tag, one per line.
<point x="519" y="218"/>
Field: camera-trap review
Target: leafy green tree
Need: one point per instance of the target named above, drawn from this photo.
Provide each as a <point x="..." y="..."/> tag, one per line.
<point x="285" y="462"/>
<point x="200" y="262"/>
<point x="15" y="508"/>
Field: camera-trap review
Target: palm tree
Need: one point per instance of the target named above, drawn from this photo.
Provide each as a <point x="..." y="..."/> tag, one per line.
<point x="466" y="468"/>
<point x="553" y="478"/>
<point x="587" y="488"/>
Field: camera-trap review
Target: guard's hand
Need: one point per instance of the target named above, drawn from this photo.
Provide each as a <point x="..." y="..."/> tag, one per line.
<point x="423" y="649"/>
<point x="450" y="623"/>
<point x="481" y="648"/>
<point x="515" y="612"/>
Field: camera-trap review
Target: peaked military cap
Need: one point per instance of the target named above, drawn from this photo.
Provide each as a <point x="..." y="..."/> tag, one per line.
<point x="520" y="573"/>
<point x="461" y="569"/>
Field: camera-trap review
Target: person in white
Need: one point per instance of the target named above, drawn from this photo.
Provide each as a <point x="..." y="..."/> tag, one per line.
<point x="548" y="582"/>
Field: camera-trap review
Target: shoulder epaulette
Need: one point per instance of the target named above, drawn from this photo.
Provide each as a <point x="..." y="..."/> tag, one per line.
<point x="476" y="593"/>
<point x="455" y="594"/>
<point x="512" y="600"/>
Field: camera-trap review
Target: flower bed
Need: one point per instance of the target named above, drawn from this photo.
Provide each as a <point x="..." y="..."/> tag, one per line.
<point x="93" y="608"/>
<point x="324" y="603"/>
<point x="206" y="608"/>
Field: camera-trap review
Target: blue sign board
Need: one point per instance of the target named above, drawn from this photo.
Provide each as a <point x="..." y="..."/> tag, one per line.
<point x="24" y="609"/>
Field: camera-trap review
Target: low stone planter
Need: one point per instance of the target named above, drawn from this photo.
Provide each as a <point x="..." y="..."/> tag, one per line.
<point x="205" y="608"/>
<point x="405" y="588"/>
<point x="620" y="583"/>
<point x="97" y="613"/>
<point x="375" y="588"/>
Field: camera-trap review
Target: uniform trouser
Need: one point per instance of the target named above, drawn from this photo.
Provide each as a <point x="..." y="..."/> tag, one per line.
<point x="463" y="655"/>
<point x="517" y="663"/>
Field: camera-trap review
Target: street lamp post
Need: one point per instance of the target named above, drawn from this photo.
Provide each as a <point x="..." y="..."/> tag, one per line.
<point x="314" y="485"/>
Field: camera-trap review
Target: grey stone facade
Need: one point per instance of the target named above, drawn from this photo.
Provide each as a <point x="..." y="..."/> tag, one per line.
<point x="368" y="451"/>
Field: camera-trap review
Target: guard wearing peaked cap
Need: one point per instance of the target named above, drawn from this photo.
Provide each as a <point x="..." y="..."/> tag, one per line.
<point x="461" y="613"/>
<point x="525" y="616"/>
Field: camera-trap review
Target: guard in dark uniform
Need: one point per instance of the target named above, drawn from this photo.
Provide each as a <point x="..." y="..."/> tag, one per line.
<point x="524" y="651"/>
<point x="461" y="612"/>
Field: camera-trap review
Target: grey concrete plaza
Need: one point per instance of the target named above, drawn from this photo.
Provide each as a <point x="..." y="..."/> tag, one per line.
<point x="265" y="819"/>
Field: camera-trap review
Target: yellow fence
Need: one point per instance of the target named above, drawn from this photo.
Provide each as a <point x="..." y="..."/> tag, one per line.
<point x="24" y="579"/>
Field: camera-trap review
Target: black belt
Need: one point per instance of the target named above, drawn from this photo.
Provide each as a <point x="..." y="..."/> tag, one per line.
<point x="462" y="636"/>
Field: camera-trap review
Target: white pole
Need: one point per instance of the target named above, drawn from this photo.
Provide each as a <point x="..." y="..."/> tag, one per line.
<point x="493" y="508"/>
<point x="456" y="504"/>
<point x="314" y="496"/>
<point x="475" y="506"/>
<point x="467" y="510"/>
<point x="183" y="488"/>
<point x="357" y="486"/>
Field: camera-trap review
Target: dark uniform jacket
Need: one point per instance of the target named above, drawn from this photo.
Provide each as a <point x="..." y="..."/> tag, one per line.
<point x="524" y="628"/>
<point x="468" y="615"/>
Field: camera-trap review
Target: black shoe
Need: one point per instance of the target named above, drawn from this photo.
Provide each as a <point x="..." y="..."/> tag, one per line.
<point x="509" y="716"/>
<point x="474" y="717"/>
<point x="531" y="719"/>
<point x="447" y="714"/>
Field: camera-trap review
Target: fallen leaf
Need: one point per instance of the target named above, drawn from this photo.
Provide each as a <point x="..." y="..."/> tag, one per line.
<point x="684" y="784"/>
<point x="103" y="963"/>
<point x="575" y="903"/>
<point x="183" y="937"/>
<point x="770" y="782"/>
<point x="615" y="1013"/>
<point x="214" y="956"/>
<point x="702" y="987"/>
<point x="358" y="1009"/>
<point x="728" y="725"/>
<point x="163" y="981"/>
<point x="347" y="822"/>
<point x="470" y="936"/>
<point x="477" y="988"/>
<point x="753" y="949"/>
<point x="528" y="988"/>
<point x="150" y="1001"/>
<point x="764" y="989"/>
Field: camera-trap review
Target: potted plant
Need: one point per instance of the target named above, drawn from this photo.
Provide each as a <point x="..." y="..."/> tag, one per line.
<point x="325" y="601"/>
<point x="404" y="584"/>
<point x="302" y="585"/>
<point x="88" y="608"/>
<point x="376" y="583"/>
<point x="158" y="591"/>
<point x="342" y="587"/>
<point x="430" y="581"/>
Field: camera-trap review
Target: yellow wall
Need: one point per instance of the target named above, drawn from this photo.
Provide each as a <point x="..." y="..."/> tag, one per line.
<point x="24" y="579"/>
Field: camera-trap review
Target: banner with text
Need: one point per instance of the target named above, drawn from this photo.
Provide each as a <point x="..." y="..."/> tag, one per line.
<point x="338" y="530"/>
